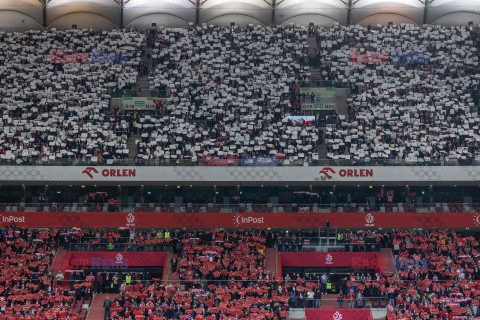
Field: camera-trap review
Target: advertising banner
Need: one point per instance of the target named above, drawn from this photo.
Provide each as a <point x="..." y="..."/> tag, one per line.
<point x="236" y="171"/>
<point x="114" y="259"/>
<point x="138" y="103"/>
<point x="242" y="220"/>
<point x="338" y="314"/>
<point x="352" y="260"/>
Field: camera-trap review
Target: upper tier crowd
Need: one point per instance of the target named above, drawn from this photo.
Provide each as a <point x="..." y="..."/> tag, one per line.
<point x="231" y="91"/>
<point x="403" y="107"/>
<point x="52" y="109"/>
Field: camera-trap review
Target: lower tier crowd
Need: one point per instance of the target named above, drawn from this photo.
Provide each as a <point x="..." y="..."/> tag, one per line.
<point x="221" y="274"/>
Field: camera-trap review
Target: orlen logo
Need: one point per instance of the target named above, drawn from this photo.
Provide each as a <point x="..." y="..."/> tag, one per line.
<point x="239" y="220"/>
<point x="90" y="171"/>
<point x="130" y="220"/>
<point x="328" y="173"/>
<point x="329" y="259"/>
<point x="12" y="219"/>
<point x="337" y="316"/>
<point x="369" y="218"/>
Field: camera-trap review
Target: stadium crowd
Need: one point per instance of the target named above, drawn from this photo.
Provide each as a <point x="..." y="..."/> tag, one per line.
<point x="222" y="274"/>
<point x="231" y="90"/>
<point x="438" y="278"/>
<point x="55" y="107"/>
<point x="27" y="289"/>
<point x="403" y="109"/>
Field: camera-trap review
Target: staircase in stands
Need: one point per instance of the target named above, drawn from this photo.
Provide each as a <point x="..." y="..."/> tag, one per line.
<point x="58" y="261"/>
<point x="329" y="301"/>
<point x="387" y="258"/>
<point x="96" y="309"/>
<point x="168" y="276"/>
<point x="271" y="260"/>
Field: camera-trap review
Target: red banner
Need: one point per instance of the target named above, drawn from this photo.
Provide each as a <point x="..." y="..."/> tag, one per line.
<point x="338" y="314"/>
<point x="242" y="220"/>
<point x="113" y="259"/>
<point x="352" y="260"/>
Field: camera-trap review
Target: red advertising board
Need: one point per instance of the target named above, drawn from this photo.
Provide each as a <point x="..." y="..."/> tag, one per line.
<point x="338" y="314"/>
<point x="114" y="259"/>
<point x="352" y="260"/>
<point x="242" y="220"/>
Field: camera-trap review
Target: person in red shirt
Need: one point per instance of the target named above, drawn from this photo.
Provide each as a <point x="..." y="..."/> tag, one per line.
<point x="340" y="299"/>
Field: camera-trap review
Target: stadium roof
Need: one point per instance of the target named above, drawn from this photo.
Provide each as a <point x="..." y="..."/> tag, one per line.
<point x="107" y="14"/>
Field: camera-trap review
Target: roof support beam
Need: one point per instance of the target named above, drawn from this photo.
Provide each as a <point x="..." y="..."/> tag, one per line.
<point x="198" y="4"/>
<point x="426" y="5"/>
<point x="350" y="5"/>
<point x="121" y="4"/>
<point x="274" y="6"/>
<point x="349" y="12"/>
<point x="44" y="11"/>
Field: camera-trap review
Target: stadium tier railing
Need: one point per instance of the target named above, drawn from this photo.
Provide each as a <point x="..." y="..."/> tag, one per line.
<point x="324" y="244"/>
<point x="242" y="207"/>
<point x="140" y="93"/>
<point x="124" y="245"/>
<point x="325" y="84"/>
<point x="259" y="161"/>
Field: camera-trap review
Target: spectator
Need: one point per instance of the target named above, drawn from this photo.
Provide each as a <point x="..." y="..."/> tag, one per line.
<point x="340" y="299"/>
<point x="59" y="277"/>
<point x="324" y="281"/>
<point x="107" y="304"/>
<point x="318" y="298"/>
<point x="174" y="263"/>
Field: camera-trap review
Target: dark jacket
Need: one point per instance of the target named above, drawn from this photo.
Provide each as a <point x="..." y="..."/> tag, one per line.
<point x="107" y="304"/>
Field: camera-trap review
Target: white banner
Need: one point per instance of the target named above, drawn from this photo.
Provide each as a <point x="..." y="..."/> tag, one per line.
<point x="307" y="119"/>
<point x="320" y="175"/>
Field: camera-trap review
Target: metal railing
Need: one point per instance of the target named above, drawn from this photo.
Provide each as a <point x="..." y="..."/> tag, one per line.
<point x="90" y="245"/>
<point x="139" y="93"/>
<point x="323" y="240"/>
<point x="318" y="99"/>
<point x="326" y="83"/>
<point x="103" y="244"/>
<point x="261" y="161"/>
<point x="364" y="302"/>
<point x="241" y="207"/>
